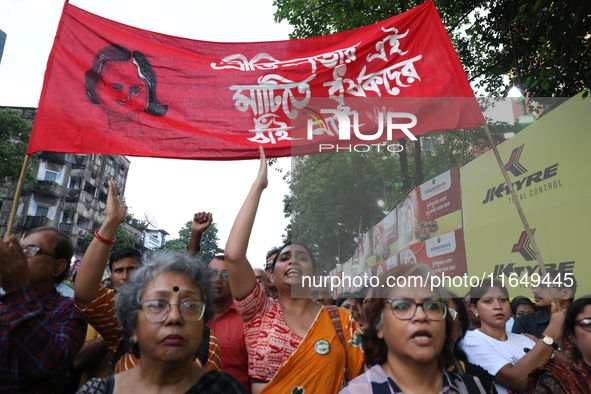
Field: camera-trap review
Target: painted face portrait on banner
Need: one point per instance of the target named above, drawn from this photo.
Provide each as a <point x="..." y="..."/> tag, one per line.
<point x="124" y="84"/>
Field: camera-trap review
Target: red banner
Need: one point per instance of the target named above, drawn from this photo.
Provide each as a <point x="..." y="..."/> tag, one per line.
<point x="111" y="88"/>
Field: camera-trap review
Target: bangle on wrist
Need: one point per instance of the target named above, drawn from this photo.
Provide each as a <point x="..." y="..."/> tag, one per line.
<point x="103" y="240"/>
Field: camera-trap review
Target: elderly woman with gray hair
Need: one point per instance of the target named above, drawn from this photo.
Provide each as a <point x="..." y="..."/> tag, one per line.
<point x="162" y="308"/>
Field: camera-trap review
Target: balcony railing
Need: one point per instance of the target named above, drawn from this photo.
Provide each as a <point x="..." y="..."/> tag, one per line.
<point x="72" y="195"/>
<point x="32" y="222"/>
<point x="66" y="227"/>
<point x="55" y="157"/>
<point x="48" y="189"/>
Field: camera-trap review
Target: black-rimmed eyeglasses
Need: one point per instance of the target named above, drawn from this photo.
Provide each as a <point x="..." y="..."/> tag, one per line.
<point x="32" y="251"/>
<point x="157" y="311"/>
<point x="405" y="309"/>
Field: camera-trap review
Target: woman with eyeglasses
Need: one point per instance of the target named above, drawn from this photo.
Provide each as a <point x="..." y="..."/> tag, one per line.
<point x="507" y="356"/>
<point x="294" y="344"/>
<point x="407" y="329"/>
<point x="575" y="376"/>
<point x="162" y="308"/>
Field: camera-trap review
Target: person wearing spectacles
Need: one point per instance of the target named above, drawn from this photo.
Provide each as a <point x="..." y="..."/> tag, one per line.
<point x="507" y="356"/>
<point x="573" y="376"/>
<point x="40" y="330"/>
<point x="163" y="309"/>
<point x="263" y="279"/>
<point x="97" y="302"/>
<point x="404" y="339"/>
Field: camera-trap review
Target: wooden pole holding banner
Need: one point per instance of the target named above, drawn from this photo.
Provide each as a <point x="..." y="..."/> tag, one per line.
<point x="17" y="195"/>
<point x="528" y="231"/>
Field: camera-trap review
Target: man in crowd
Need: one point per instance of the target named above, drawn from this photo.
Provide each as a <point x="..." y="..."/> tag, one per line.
<point x="40" y="330"/>
<point x="262" y="278"/>
<point x="227" y="325"/>
<point x="321" y="296"/>
<point x="269" y="270"/>
<point x="122" y="263"/>
<point x="564" y="286"/>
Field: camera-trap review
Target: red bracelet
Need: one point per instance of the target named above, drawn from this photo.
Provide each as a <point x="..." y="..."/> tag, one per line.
<point x="105" y="241"/>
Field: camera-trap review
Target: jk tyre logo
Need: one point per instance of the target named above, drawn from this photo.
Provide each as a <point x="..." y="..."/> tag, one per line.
<point x="524" y="248"/>
<point x="514" y="166"/>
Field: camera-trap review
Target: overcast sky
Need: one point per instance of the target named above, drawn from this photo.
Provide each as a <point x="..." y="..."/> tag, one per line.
<point x="171" y="190"/>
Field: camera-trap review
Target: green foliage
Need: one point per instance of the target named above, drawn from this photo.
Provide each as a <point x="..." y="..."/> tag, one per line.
<point x="132" y="220"/>
<point x="543" y="46"/>
<point x="209" y="241"/>
<point x="334" y="198"/>
<point x="14" y="138"/>
<point x="174" y="244"/>
<point x="123" y="240"/>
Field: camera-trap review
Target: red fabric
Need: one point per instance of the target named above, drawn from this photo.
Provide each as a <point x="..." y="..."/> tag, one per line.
<point x="221" y="101"/>
<point x="229" y="329"/>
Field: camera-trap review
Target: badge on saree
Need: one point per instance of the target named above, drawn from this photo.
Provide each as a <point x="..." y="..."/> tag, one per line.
<point x="322" y="346"/>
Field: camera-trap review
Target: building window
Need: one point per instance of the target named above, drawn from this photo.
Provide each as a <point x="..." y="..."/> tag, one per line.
<point x="84" y="222"/>
<point x="42" y="211"/>
<point x="66" y="217"/>
<point x="50" y="176"/>
<point x="103" y="197"/>
<point x="109" y="169"/>
<point x="90" y="189"/>
<point x="74" y="183"/>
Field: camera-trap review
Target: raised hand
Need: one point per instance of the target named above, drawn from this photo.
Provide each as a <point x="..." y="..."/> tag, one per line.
<point x="14" y="268"/>
<point x="116" y="213"/>
<point x="261" y="179"/>
<point x="201" y="222"/>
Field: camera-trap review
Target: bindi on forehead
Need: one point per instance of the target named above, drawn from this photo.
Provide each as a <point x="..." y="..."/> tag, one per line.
<point x="175" y="289"/>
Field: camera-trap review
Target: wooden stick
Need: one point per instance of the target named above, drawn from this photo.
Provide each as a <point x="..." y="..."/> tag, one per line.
<point x="528" y="231"/>
<point x="17" y="196"/>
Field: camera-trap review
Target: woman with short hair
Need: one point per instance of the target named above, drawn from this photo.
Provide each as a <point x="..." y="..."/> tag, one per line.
<point x="162" y="309"/>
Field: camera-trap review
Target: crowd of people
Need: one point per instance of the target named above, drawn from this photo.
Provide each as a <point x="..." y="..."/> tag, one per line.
<point x="169" y="322"/>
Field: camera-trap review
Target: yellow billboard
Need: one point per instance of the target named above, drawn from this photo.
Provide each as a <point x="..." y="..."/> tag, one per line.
<point x="549" y="164"/>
